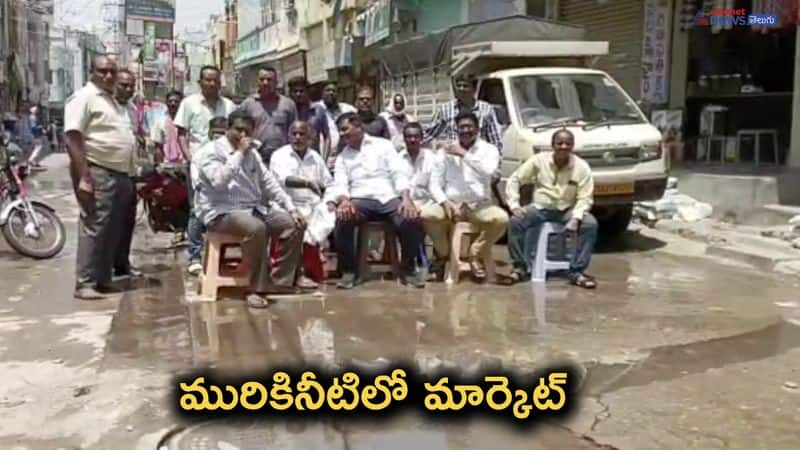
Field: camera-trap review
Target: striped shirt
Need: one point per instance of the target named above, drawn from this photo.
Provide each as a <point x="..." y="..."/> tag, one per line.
<point x="226" y="180"/>
<point x="443" y="125"/>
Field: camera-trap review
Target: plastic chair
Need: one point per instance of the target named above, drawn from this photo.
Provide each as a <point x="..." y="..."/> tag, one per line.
<point x="216" y="273"/>
<point x="541" y="263"/>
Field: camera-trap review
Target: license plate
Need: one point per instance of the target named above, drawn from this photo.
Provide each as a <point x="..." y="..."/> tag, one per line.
<point x="615" y="189"/>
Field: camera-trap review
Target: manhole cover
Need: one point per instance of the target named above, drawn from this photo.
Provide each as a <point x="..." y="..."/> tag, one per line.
<point x="260" y="435"/>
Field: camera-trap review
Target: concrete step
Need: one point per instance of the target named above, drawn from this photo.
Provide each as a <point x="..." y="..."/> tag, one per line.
<point x="769" y="215"/>
<point x="765" y="258"/>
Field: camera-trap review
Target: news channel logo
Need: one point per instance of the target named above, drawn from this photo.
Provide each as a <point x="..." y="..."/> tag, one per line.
<point x="737" y="18"/>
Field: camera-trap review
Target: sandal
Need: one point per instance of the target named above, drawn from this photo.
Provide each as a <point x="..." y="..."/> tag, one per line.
<point x="478" y="271"/>
<point x="257" y="301"/>
<point x="518" y="276"/>
<point x="583" y="280"/>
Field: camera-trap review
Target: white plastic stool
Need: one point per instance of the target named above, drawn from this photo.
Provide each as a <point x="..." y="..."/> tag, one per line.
<point x="542" y="265"/>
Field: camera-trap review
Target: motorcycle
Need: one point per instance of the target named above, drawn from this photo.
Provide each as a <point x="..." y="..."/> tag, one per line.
<point x="24" y="221"/>
<point x="162" y="189"/>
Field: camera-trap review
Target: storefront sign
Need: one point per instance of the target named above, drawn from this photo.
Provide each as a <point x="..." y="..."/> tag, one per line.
<point x="655" y="51"/>
<point x="155" y="10"/>
<point x="378" y="22"/>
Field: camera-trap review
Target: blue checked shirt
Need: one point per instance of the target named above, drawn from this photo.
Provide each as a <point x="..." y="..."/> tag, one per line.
<point x="443" y="125"/>
<point x="226" y="181"/>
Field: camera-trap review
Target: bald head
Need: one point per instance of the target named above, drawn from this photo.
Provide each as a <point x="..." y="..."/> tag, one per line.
<point x="300" y="136"/>
<point x="104" y="73"/>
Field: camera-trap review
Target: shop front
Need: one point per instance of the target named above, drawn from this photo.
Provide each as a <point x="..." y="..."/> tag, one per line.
<point x="740" y="82"/>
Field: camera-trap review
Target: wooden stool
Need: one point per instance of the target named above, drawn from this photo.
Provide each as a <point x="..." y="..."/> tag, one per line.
<point x="390" y="253"/>
<point x="217" y="270"/>
<point x="456" y="265"/>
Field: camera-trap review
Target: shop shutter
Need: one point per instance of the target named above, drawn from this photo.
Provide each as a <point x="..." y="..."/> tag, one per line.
<point x="621" y="23"/>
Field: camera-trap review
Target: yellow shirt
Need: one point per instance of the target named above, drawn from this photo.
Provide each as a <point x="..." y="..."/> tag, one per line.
<point x="570" y="187"/>
<point x="106" y="127"/>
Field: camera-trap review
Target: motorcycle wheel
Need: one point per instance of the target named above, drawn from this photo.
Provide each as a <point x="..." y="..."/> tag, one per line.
<point x="15" y="235"/>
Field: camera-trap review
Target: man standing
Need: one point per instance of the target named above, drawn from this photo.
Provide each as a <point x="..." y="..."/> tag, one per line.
<point x="314" y="115"/>
<point x="100" y="143"/>
<point x="164" y="133"/>
<point x="461" y="187"/>
<point x="272" y="112"/>
<point x="444" y="126"/>
<point x="333" y="109"/>
<point x="123" y="92"/>
<point x="232" y="184"/>
<point x="192" y="119"/>
<point x="563" y="193"/>
<point x="371" y="183"/>
<point x="374" y="125"/>
<point x="305" y="176"/>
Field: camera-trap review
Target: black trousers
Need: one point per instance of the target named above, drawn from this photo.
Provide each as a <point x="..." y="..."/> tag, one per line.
<point x="102" y="226"/>
<point x="411" y="233"/>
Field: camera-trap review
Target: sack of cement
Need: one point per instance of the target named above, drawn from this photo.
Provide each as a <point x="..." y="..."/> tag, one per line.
<point x="673" y="205"/>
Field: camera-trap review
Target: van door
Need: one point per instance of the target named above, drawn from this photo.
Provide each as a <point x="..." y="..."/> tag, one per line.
<point x="492" y="91"/>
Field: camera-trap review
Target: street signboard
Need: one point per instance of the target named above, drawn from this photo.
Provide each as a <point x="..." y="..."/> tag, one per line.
<point x="153" y="10"/>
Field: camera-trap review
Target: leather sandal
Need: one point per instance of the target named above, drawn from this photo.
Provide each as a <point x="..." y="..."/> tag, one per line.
<point x="583" y="280"/>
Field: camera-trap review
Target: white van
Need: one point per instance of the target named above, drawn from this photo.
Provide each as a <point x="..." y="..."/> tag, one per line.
<point x="611" y="132"/>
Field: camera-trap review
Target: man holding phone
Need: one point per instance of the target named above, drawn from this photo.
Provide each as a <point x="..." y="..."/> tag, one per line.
<point x="232" y="194"/>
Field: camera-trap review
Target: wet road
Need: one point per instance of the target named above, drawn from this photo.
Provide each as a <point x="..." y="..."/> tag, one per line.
<point x="680" y="351"/>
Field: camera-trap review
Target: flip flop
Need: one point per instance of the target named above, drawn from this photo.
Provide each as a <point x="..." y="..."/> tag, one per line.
<point x="583" y="280"/>
<point x="257" y="301"/>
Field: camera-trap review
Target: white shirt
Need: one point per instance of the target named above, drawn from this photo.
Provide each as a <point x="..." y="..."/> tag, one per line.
<point x="466" y="180"/>
<point x="106" y="127"/>
<point x="421" y="171"/>
<point x="195" y="113"/>
<point x="285" y="163"/>
<point x="333" y="130"/>
<point x="374" y="172"/>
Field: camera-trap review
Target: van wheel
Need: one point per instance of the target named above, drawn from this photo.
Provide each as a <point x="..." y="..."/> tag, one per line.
<point x="616" y="221"/>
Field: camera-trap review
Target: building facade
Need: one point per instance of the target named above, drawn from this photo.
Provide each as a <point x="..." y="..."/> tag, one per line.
<point x="25" y="32"/>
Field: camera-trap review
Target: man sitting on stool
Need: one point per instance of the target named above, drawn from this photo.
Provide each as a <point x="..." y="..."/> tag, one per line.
<point x="304" y="174"/>
<point x="563" y="193"/>
<point x="461" y="185"/>
<point x="372" y="183"/>
<point x="231" y="184"/>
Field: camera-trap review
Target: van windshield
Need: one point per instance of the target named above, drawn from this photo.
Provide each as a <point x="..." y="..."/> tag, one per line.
<point x="540" y="99"/>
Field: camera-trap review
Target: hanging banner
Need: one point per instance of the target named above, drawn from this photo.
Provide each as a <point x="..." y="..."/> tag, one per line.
<point x="155" y="10"/>
<point x="378" y="22"/>
<point x="655" y="51"/>
<point x="149" y="41"/>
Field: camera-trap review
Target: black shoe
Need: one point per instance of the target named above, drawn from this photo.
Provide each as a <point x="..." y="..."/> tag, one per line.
<point x="437" y="270"/>
<point x="348" y="281"/>
<point x="414" y="280"/>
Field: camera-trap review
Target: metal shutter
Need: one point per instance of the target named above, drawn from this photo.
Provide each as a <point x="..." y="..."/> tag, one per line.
<point x="621" y="23"/>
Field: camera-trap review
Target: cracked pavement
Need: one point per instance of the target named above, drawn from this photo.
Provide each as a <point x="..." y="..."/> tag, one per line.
<point x="681" y="350"/>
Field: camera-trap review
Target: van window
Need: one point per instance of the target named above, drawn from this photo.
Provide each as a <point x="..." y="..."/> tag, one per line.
<point x="491" y="91"/>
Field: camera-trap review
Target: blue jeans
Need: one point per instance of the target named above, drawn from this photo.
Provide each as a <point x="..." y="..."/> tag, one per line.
<point x="523" y="238"/>
<point x="195" y="228"/>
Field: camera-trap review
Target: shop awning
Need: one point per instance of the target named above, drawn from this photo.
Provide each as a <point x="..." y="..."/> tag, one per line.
<point x="435" y="49"/>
